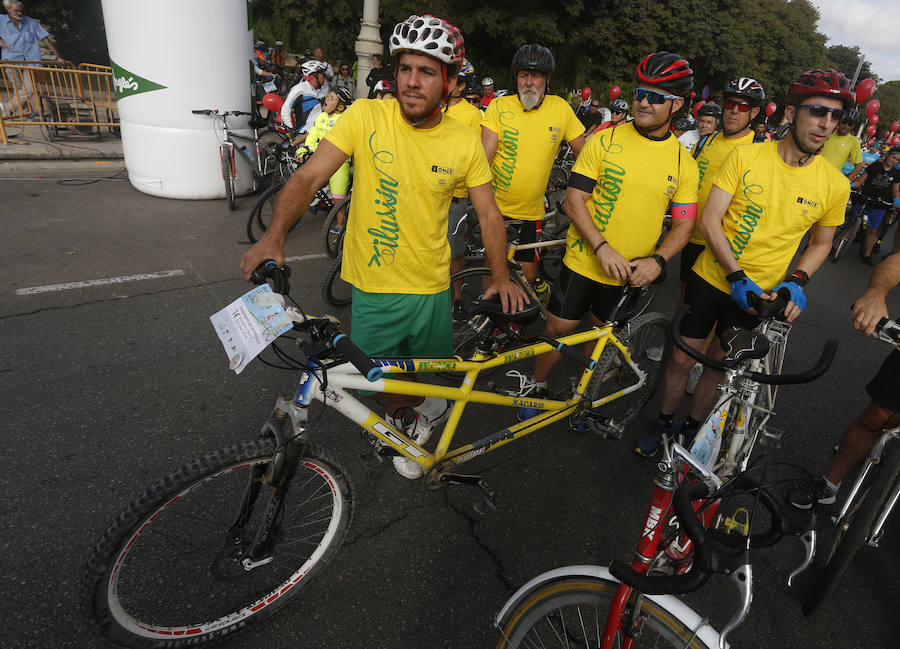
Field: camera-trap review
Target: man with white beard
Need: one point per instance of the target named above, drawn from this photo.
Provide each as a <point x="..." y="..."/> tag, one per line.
<point x="522" y="134"/>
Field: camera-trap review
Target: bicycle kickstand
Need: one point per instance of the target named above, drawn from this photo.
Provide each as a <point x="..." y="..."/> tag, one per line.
<point x="488" y="501"/>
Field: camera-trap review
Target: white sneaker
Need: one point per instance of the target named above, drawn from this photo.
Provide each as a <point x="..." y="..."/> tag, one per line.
<point x="693" y="378"/>
<point x="419" y="431"/>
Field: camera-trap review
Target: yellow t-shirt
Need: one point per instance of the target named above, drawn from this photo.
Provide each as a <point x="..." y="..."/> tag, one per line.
<point x="466" y="113"/>
<point x="840" y="149"/>
<point x="773" y="206"/>
<point x="404" y="177"/>
<point x="528" y="144"/>
<point x="636" y="178"/>
<point x="711" y="157"/>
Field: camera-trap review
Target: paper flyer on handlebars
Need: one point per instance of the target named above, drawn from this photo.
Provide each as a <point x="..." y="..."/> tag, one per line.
<point x="249" y="325"/>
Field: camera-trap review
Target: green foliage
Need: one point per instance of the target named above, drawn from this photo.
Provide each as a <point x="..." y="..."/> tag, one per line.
<point x="845" y="59"/>
<point x="889" y="96"/>
<point x="76" y="26"/>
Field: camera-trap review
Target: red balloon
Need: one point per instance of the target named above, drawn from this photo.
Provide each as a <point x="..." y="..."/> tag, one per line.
<point x="864" y="90"/>
<point x="693" y="94"/>
<point x="585" y="93"/>
<point x="272" y="102"/>
<point x="873" y="119"/>
<point x="872" y="107"/>
<point x="697" y="107"/>
<point x="771" y="108"/>
<point x="894" y="126"/>
<point x="614" y="92"/>
<point x="871" y="130"/>
<point x="895" y="139"/>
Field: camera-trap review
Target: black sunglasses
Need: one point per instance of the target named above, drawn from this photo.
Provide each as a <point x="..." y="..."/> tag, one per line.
<point x="837" y="114"/>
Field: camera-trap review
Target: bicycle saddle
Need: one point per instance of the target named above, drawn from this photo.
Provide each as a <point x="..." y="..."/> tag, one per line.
<point x="742" y="344"/>
<point x="492" y="308"/>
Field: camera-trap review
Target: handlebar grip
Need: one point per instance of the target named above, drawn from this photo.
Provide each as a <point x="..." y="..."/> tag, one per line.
<point x="357" y="358"/>
<point x="575" y="355"/>
<point x="767" y="308"/>
<point x="278" y="274"/>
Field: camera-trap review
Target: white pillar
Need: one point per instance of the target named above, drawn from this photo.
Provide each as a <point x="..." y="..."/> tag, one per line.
<point x="367" y="43"/>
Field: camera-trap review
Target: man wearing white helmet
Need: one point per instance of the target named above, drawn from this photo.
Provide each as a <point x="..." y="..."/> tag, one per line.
<point x="522" y="134"/>
<point x="308" y="93"/>
<point x="408" y="159"/>
<point x="487" y="94"/>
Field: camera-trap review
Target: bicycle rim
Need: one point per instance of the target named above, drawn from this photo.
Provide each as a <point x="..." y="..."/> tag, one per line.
<point x="175" y="576"/>
<point x="572" y="613"/>
<point x="336" y="290"/>
<point x="649" y="340"/>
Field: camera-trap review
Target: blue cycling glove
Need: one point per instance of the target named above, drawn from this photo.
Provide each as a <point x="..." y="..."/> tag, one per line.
<point x="740" y="286"/>
<point x="794" y="284"/>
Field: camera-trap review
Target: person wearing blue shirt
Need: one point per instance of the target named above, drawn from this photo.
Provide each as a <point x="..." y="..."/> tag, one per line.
<point x="19" y="41"/>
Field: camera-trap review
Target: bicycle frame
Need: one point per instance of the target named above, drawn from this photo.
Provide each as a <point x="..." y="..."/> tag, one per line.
<point x="873" y="458"/>
<point x="345" y="377"/>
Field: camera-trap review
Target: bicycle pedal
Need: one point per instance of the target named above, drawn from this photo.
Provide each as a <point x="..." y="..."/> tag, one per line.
<point x="487" y="503"/>
<point x="771" y="437"/>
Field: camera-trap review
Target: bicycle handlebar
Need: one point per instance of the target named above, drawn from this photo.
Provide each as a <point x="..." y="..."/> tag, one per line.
<point x="888" y="331"/>
<point x="824" y="362"/>
<point x="215" y="111"/>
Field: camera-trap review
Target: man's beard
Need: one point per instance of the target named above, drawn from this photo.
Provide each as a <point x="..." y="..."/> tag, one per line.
<point x="530" y="98"/>
<point x="417" y="115"/>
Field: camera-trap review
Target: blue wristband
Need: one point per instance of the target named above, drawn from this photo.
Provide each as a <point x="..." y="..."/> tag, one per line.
<point x="740" y="286"/>
<point x="897" y="202"/>
<point x="798" y="297"/>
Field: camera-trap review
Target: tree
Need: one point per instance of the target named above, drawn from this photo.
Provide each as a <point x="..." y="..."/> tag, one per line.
<point x="889" y="96"/>
<point x="76" y="26"/>
<point x="845" y="59"/>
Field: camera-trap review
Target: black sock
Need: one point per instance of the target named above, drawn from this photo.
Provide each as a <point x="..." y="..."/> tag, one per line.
<point x="669" y="419"/>
<point x="691" y="423"/>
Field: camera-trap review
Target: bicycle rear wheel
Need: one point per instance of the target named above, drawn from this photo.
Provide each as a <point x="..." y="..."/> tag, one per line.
<point x="857" y="528"/>
<point x="170" y="571"/>
<point x="335" y="290"/>
<point x="261" y="214"/>
<point x="331" y="239"/>
<point x="649" y="341"/>
<point x="571" y="612"/>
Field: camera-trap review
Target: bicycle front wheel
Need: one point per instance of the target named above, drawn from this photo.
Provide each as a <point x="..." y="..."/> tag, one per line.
<point x="843" y="238"/>
<point x="261" y="214"/>
<point x="227" y="157"/>
<point x="336" y="290"/>
<point x="856" y="530"/>
<point x="572" y="612"/>
<point x="172" y="570"/>
<point x="649" y="341"/>
<point x="331" y="232"/>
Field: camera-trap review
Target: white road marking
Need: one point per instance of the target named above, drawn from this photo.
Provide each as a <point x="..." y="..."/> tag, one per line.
<point x="34" y="290"/>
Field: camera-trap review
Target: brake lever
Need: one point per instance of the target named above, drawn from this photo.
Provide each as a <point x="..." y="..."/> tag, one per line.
<point x="743" y="581"/>
<point x="808" y="539"/>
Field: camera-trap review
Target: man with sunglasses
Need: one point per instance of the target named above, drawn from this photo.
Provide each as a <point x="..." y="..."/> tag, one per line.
<point x="843" y="147"/>
<point x="618" y="111"/>
<point x="879" y="182"/>
<point x="762" y="201"/>
<point x="620" y="187"/>
<point x="345" y="80"/>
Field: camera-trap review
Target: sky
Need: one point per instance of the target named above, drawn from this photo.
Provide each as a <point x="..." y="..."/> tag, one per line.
<point x="869" y="24"/>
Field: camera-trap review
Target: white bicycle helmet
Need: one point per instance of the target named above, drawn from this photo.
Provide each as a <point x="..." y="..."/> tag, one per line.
<point x="313" y="66"/>
<point x="428" y="35"/>
<point x="487" y="81"/>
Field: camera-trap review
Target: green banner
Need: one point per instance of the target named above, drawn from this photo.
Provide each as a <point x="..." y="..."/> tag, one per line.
<point x="127" y="84"/>
<point x="249" y="16"/>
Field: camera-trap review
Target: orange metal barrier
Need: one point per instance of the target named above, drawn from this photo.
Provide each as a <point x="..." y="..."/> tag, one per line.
<point x="57" y="96"/>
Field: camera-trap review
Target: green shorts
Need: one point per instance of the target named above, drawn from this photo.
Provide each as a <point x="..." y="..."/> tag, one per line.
<point x="402" y="325"/>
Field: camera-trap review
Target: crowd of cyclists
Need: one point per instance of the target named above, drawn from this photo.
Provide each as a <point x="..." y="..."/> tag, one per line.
<point x="430" y="141"/>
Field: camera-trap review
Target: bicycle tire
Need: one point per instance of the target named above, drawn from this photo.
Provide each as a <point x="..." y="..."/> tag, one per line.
<point x="649" y="340"/>
<point x="228" y="177"/>
<point x="153" y="581"/>
<point x="470" y="283"/>
<point x="330" y="240"/>
<point x="559" y="612"/>
<point x="335" y="290"/>
<point x="261" y="214"/>
<point x="859" y="524"/>
<point x="842" y="242"/>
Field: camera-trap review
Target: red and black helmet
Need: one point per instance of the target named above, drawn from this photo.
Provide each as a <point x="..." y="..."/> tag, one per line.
<point x="667" y="71"/>
<point x="821" y="83"/>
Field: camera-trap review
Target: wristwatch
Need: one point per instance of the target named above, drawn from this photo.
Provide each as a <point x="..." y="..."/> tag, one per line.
<point x="659" y="260"/>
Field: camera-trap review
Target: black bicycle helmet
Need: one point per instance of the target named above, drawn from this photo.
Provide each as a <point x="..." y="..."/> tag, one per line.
<point x="619" y="105"/>
<point x="473" y="88"/>
<point x="894" y="149"/>
<point x="344" y="96"/>
<point x="852" y="116"/>
<point x="821" y="83"/>
<point x="683" y="124"/>
<point x="667" y="71"/>
<point x="710" y="109"/>
<point x="745" y="88"/>
<point x="534" y="57"/>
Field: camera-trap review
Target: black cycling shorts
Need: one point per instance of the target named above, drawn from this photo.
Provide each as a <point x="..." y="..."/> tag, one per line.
<point x="688" y="256"/>
<point x="529" y="232"/>
<point x="573" y="295"/>
<point x="884" y="388"/>
<point x="711" y="307"/>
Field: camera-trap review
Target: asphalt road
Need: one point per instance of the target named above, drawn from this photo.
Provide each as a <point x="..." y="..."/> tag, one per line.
<point x="107" y="386"/>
